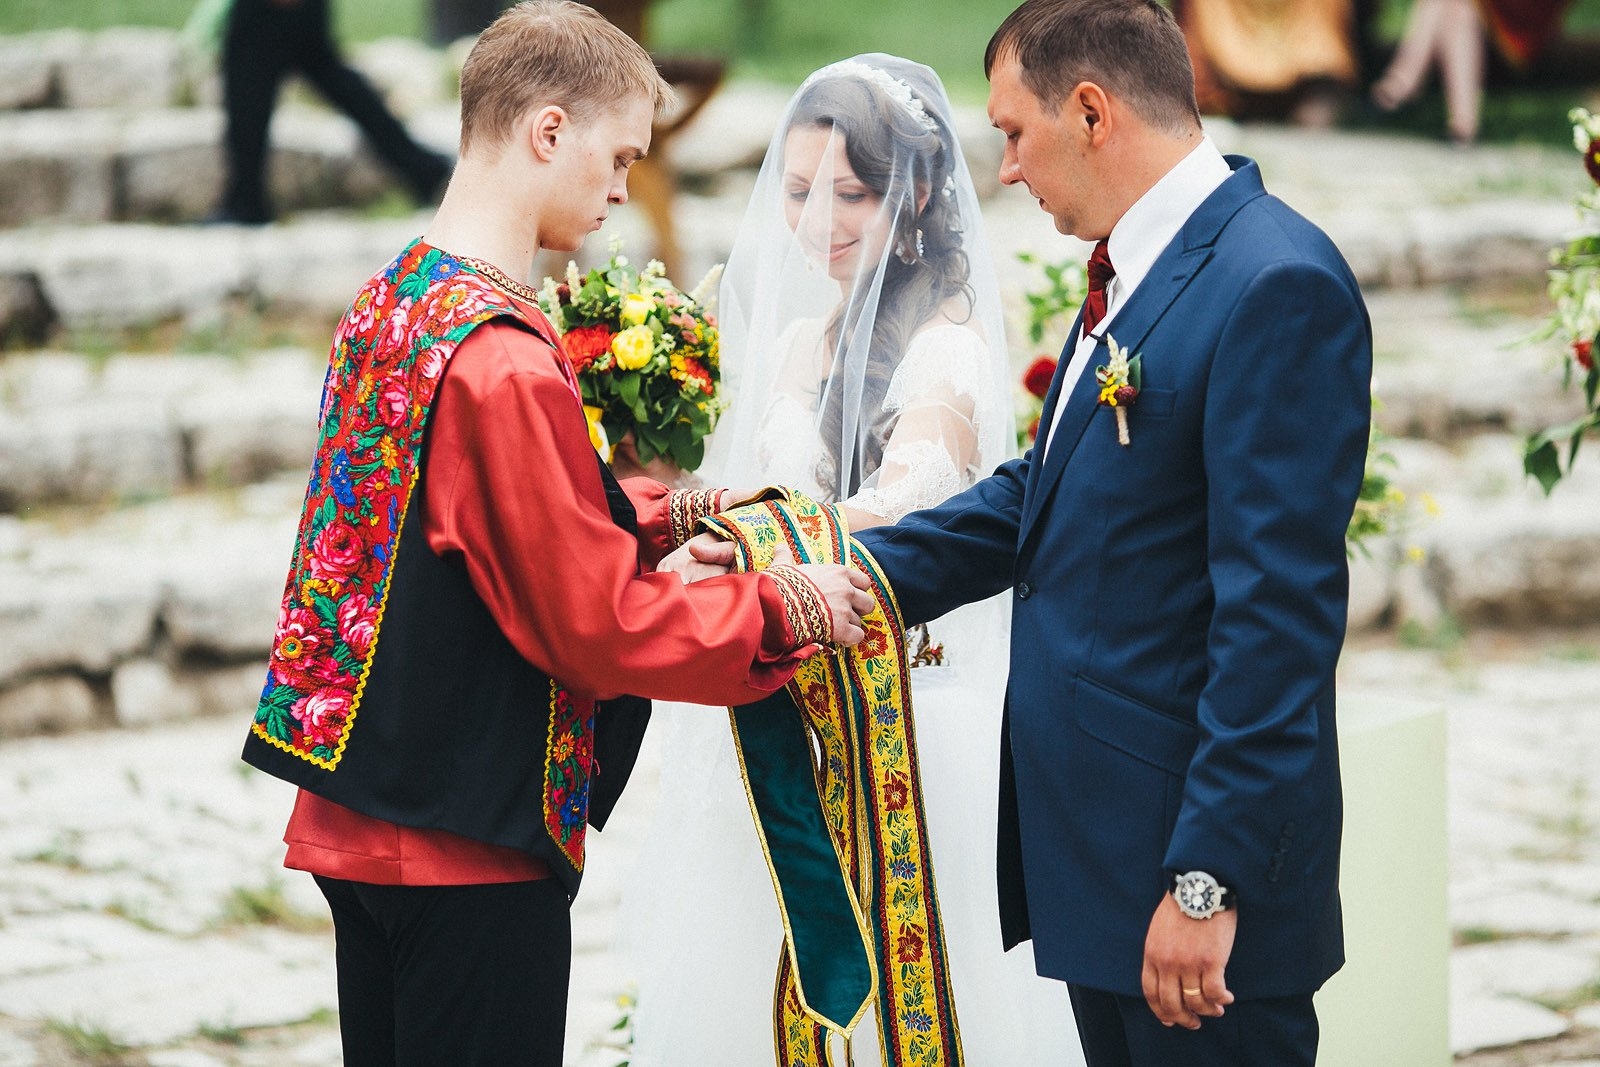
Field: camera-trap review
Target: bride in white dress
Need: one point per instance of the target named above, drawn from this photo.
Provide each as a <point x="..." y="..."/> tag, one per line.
<point x="864" y="352"/>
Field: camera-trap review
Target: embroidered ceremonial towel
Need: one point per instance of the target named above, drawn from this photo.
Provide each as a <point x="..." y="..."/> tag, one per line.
<point x="844" y="832"/>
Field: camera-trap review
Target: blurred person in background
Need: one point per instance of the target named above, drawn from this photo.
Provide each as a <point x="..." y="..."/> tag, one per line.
<point x="1272" y="58"/>
<point x="1451" y="35"/>
<point x="267" y="39"/>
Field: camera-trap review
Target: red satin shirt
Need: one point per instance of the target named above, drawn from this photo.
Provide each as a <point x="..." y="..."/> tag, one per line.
<point x="511" y="487"/>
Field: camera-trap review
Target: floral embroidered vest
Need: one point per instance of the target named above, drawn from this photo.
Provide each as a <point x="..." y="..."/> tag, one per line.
<point x="390" y="688"/>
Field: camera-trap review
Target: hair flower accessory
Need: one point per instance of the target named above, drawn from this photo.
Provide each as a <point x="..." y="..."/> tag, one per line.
<point x="1119" y="386"/>
<point x="897" y="90"/>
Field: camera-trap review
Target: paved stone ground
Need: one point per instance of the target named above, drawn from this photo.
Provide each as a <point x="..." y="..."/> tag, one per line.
<point x="144" y="918"/>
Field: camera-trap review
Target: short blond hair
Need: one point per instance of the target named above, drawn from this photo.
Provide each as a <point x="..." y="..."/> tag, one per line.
<point x="551" y="52"/>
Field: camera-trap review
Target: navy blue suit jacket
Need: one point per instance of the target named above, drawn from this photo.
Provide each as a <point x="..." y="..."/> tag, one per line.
<point x="1178" y="608"/>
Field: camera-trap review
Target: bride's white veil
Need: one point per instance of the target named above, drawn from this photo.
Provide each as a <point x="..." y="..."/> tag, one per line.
<point x="863" y="229"/>
<point x="863" y="243"/>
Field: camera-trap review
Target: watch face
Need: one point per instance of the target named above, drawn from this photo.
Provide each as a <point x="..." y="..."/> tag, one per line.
<point x="1198" y="894"/>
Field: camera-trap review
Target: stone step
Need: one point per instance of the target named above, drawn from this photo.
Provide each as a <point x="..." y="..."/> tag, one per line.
<point x="165" y="610"/>
<point x="133" y="276"/>
<point x="138" y="67"/>
<point x="76" y="429"/>
<point x="1481" y="545"/>
<point x="81" y="429"/>
<point x="150" y="613"/>
<point x="167" y="164"/>
<point x="1447" y="367"/>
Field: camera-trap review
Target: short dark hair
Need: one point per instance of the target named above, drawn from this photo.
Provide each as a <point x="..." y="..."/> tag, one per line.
<point x="1131" y="48"/>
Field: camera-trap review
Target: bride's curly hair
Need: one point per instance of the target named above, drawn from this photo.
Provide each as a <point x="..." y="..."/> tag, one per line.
<point x="880" y="136"/>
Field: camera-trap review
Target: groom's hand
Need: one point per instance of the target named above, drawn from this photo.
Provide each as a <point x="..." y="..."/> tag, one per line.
<point x="1184" y="960"/>
<point x="847" y="592"/>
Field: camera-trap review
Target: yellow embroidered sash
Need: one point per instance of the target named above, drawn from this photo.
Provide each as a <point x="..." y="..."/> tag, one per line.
<point x="830" y="770"/>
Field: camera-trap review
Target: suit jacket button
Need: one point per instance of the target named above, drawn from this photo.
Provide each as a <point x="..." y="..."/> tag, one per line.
<point x="1024" y="591"/>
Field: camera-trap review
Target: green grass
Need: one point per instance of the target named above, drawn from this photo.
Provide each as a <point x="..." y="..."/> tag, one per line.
<point x="1479" y="935"/>
<point x="223" y="1033"/>
<point x="267" y="905"/>
<point x="1573" y="999"/>
<point x="91" y="1043"/>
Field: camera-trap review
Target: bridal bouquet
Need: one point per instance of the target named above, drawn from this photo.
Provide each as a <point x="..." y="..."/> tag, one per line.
<point x="647" y="356"/>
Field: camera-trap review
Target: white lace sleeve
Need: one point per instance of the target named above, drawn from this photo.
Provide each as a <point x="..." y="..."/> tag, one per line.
<point x="938" y="395"/>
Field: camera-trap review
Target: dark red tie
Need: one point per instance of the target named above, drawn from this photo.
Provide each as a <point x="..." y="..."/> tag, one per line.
<point x="1100" y="274"/>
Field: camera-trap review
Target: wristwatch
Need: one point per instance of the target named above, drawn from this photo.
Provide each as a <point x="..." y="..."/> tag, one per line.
<point x="1199" y="895"/>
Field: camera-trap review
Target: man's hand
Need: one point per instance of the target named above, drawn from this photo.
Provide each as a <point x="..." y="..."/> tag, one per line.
<point x="702" y="556"/>
<point x="1184" y="960"/>
<point x="847" y="592"/>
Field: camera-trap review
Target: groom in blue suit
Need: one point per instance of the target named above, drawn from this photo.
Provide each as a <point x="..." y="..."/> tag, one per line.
<point x="1170" y="801"/>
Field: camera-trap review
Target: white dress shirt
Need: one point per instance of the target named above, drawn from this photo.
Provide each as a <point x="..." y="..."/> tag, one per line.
<point x="1137" y="241"/>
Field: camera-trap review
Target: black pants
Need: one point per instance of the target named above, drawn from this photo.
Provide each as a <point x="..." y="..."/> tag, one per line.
<point x="1121" y="1031"/>
<point x="451" y="976"/>
<point x="267" y="39"/>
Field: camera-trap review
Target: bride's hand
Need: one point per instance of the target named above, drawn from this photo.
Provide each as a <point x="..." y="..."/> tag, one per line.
<point x="703" y="556"/>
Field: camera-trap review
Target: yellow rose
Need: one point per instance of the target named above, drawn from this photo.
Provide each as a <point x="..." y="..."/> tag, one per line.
<point x="597" y="431"/>
<point x="635" y="309"/>
<point x="633" y="347"/>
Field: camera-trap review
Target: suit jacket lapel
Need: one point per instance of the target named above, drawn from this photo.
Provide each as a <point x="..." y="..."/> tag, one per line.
<point x="1171" y="273"/>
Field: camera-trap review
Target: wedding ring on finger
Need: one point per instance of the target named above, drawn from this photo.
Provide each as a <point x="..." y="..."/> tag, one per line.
<point x="1191" y="992"/>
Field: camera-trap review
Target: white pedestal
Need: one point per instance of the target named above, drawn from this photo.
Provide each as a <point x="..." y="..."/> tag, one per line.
<point x="1389" y="1006"/>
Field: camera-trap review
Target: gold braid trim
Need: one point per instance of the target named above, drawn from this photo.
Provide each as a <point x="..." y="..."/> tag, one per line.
<point x="502" y="279"/>
<point x="685" y="509"/>
<point x="804" y="605"/>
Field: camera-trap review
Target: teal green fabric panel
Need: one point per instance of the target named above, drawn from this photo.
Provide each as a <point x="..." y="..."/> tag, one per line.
<point x="834" y="970"/>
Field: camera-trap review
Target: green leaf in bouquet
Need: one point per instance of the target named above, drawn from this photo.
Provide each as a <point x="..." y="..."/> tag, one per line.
<point x="622" y="277"/>
<point x="653" y="437"/>
<point x="628" y="387"/>
<point x="691" y="455"/>
<point x="682" y="436"/>
<point x="615" y="425"/>
<point x="592" y="295"/>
